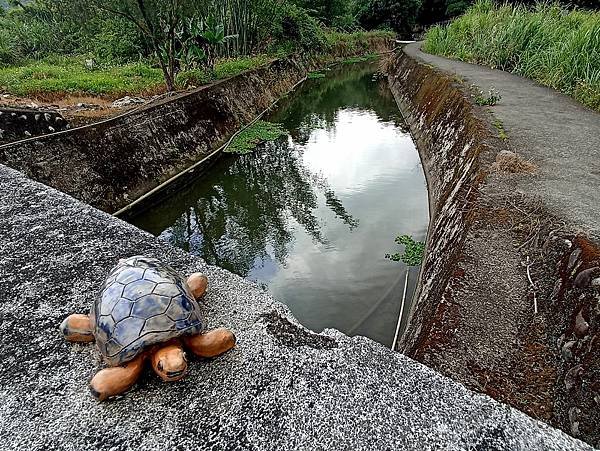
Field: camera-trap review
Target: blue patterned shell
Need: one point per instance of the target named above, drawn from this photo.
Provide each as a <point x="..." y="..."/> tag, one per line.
<point x="142" y="302"/>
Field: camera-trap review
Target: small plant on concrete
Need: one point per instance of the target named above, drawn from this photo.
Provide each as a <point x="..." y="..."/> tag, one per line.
<point x="413" y="251"/>
<point x="491" y="99"/>
<point x="258" y="133"/>
<point x="500" y="127"/>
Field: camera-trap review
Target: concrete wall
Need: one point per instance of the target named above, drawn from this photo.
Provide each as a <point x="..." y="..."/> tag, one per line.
<point x="473" y="315"/>
<point x="111" y="163"/>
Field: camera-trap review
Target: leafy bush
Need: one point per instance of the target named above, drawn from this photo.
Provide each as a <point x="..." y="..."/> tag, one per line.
<point x="297" y="29"/>
<point x="555" y="47"/>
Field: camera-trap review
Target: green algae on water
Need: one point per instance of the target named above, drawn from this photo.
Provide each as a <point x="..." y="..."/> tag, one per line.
<point x="258" y="133"/>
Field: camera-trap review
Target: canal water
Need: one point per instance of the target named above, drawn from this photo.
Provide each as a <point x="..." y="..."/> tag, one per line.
<point x="311" y="216"/>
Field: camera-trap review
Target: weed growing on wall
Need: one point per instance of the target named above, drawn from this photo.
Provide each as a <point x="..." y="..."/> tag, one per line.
<point x="491" y="99"/>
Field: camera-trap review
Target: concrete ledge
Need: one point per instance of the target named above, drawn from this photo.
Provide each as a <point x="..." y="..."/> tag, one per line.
<point x="504" y="243"/>
<point x="283" y="387"/>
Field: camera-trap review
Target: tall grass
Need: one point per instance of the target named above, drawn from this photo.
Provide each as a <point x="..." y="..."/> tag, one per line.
<point x="553" y="46"/>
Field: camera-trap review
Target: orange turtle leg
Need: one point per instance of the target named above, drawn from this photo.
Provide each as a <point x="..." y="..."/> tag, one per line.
<point x="117" y="379"/>
<point x="77" y="327"/>
<point x="211" y="344"/>
<point x="197" y="283"/>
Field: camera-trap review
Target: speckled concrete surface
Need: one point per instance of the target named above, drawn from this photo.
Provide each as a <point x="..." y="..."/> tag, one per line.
<point x="281" y="388"/>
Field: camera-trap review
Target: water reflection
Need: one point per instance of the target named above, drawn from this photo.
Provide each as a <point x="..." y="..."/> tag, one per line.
<point x="312" y="215"/>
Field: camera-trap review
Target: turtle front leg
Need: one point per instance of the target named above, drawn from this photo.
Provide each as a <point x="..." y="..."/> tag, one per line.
<point x="211" y="344"/>
<point x="77" y="327"/>
<point x="197" y="283"/>
<point x="117" y="379"/>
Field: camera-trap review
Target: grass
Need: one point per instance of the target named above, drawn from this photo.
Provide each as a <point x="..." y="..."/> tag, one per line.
<point x="313" y="75"/>
<point x="557" y="48"/>
<point x="500" y="127"/>
<point x="70" y="75"/>
<point x="491" y="99"/>
<point x="258" y="133"/>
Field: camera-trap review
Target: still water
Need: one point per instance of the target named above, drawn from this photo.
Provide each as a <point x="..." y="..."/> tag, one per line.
<point x="311" y="216"/>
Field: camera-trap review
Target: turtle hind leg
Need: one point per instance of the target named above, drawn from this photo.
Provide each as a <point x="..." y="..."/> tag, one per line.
<point x="77" y="327"/>
<point x="211" y="344"/>
<point x="197" y="283"/>
<point x="117" y="379"/>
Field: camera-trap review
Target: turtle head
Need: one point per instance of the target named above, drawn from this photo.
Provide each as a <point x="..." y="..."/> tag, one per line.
<point x="170" y="362"/>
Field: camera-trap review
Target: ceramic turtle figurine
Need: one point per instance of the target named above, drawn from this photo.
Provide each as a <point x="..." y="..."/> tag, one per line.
<point x="145" y="311"/>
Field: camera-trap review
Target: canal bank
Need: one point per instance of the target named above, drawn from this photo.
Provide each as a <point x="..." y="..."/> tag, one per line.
<point x="508" y="294"/>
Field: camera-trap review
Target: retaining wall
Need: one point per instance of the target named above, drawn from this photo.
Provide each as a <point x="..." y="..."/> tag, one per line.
<point x="508" y="296"/>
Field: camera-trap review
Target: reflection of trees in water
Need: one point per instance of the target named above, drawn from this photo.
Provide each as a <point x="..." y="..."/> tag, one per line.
<point x="242" y="215"/>
<point x="317" y="102"/>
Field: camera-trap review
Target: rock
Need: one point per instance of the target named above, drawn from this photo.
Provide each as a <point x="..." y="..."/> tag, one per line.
<point x="37" y="117"/>
<point x="581" y="325"/>
<point x="595" y="282"/>
<point x="52" y="129"/>
<point x="573" y="259"/>
<point x="574" y="413"/>
<point x="566" y="350"/>
<point x="26" y="133"/>
<point x="23" y="117"/>
<point x="125" y="101"/>
<point x="572" y="376"/>
<point x="47" y="117"/>
<point x="584" y="278"/>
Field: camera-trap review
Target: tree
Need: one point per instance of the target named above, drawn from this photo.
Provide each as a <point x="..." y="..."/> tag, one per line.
<point x="159" y="21"/>
<point x="399" y="15"/>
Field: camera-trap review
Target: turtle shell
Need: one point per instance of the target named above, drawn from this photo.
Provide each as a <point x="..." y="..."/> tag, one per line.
<point x="142" y="302"/>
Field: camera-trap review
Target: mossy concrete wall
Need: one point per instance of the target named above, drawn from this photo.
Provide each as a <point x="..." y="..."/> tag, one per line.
<point x="497" y="250"/>
<point x="113" y="162"/>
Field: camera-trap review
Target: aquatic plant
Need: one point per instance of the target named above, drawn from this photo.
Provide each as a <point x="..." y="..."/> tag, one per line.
<point x="258" y="133"/>
<point x="413" y="251"/>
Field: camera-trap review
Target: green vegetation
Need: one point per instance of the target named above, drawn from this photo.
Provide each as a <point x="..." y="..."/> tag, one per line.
<point x="360" y="59"/>
<point x="491" y="99"/>
<point x="500" y="127"/>
<point x="258" y="133"/>
<point x="50" y="48"/>
<point x="555" y="47"/>
<point x="413" y="251"/>
<point x="313" y="75"/>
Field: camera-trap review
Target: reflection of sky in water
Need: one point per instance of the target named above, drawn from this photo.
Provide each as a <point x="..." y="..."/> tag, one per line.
<point x="312" y="219"/>
<point x="375" y="172"/>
